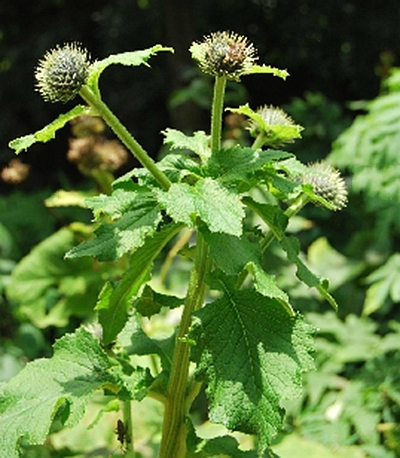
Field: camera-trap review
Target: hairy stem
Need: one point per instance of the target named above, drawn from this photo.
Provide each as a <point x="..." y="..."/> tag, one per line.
<point x="216" y="113"/>
<point x="126" y="138"/>
<point x="127" y="414"/>
<point x="173" y="443"/>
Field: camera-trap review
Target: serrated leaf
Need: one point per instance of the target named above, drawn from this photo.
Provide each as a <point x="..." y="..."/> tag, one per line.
<point x="199" y="142"/>
<point x="239" y="164"/>
<point x="114" y="302"/>
<point x="68" y="379"/>
<point x="221" y="210"/>
<point x="127" y="234"/>
<point x="251" y="354"/>
<point x="130" y="58"/>
<point x="49" y="132"/>
<point x="291" y="246"/>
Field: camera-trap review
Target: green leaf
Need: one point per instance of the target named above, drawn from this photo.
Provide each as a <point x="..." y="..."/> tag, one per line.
<point x="199" y="142"/>
<point x="291" y="246"/>
<point x="114" y="302"/>
<point x="137" y="342"/>
<point x="64" y="382"/>
<point x="230" y="253"/>
<point x="49" y="132"/>
<point x="130" y="58"/>
<point x="219" y="208"/>
<point x="255" y="69"/>
<point x="239" y="164"/>
<point x="127" y="234"/>
<point x="48" y="288"/>
<point x="272" y="215"/>
<point x="62" y="198"/>
<point x="150" y="302"/>
<point x="251" y="354"/>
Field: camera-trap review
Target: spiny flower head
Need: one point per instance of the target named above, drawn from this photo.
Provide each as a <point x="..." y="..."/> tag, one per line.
<point x="275" y="116"/>
<point x="62" y="72"/>
<point x="327" y="183"/>
<point x="224" y="54"/>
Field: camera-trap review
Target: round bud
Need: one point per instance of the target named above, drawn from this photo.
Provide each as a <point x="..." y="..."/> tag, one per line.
<point x="62" y="72"/>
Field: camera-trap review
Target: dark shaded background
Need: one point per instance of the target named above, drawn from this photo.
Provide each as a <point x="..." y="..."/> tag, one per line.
<point x="335" y="47"/>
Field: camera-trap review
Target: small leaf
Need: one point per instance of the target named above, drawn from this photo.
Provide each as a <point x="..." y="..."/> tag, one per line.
<point x="114" y="302"/>
<point x="240" y="164"/>
<point x="49" y="132"/>
<point x="251" y="354"/>
<point x="254" y="69"/>
<point x="65" y="381"/>
<point x="130" y="58"/>
<point x="199" y="143"/>
<point x="220" y="209"/>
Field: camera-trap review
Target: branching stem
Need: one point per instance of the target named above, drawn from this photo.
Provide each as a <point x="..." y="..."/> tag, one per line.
<point x="126" y="138"/>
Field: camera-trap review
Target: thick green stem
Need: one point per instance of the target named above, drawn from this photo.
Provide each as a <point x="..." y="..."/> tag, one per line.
<point x="119" y="129"/>
<point x="258" y="142"/>
<point x="216" y="113"/>
<point x="173" y="443"/>
<point x="127" y="414"/>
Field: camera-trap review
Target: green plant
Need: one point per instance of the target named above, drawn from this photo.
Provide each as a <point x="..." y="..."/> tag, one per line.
<point x="238" y="334"/>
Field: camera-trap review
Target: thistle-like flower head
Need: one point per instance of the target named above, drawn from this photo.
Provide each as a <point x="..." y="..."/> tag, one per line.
<point x="62" y="72"/>
<point x="224" y="54"/>
<point x="273" y="116"/>
<point x="327" y="183"/>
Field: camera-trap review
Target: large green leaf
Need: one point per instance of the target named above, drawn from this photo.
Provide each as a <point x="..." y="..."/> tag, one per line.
<point x="220" y="209"/>
<point x="49" y="132"/>
<point x="115" y="301"/>
<point x="48" y="288"/>
<point x="251" y="353"/>
<point x="64" y="382"/>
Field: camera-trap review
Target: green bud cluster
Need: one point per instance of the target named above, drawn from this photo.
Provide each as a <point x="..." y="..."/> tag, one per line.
<point x="327" y="183"/>
<point x="62" y="72"/>
<point x="224" y="54"/>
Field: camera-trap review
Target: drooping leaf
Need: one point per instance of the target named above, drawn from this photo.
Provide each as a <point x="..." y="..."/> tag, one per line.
<point x="66" y="381"/>
<point x="49" y="132"/>
<point x="199" y="142"/>
<point x="251" y="354"/>
<point x="219" y="208"/>
<point x="272" y="215"/>
<point x="127" y="234"/>
<point x="291" y="246"/>
<point x="130" y="58"/>
<point x="115" y="301"/>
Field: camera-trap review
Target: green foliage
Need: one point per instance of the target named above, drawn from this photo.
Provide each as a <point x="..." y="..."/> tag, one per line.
<point x="238" y="327"/>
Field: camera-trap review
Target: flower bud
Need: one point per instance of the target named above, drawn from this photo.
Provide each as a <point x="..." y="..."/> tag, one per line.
<point x="62" y="72"/>
<point x="327" y="183"/>
<point x="224" y="54"/>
